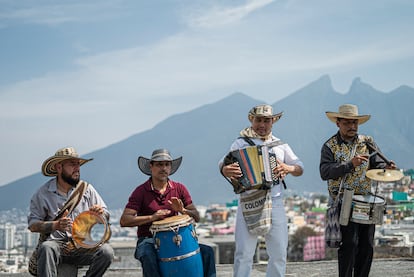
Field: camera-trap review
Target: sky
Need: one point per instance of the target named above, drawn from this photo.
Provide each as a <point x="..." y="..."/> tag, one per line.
<point x="92" y="73"/>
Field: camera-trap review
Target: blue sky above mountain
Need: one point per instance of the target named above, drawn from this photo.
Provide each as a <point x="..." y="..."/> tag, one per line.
<point x="91" y="73"/>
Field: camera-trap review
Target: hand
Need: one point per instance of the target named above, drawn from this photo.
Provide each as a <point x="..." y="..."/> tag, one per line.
<point x="392" y="165"/>
<point x="359" y="159"/>
<point x="282" y="169"/>
<point x="64" y="223"/>
<point x="232" y="171"/>
<point x="176" y="204"/>
<point x="160" y="214"/>
<point x="97" y="209"/>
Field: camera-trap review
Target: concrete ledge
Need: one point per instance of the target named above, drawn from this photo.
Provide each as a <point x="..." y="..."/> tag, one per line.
<point x="381" y="267"/>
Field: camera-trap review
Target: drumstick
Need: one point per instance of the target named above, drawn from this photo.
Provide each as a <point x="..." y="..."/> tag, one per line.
<point x="377" y="152"/>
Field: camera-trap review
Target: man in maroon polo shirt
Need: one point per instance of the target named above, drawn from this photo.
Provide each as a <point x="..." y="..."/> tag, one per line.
<point x="158" y="198"/>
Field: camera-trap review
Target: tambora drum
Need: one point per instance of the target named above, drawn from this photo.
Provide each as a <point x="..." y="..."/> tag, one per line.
<point x="89" y="231"/>
<point x="177" y="246"/>
<point x="368" y="209"/>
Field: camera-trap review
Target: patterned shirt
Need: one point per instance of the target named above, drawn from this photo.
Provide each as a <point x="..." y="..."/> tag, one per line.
<point x="336" y="163"/>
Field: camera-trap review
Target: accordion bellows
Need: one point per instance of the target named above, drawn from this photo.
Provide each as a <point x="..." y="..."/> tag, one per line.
<point x="257" y="165"/>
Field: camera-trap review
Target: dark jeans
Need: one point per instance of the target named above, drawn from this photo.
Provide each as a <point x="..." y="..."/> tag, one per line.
<point x="356" y="250"/>
<point x="145" y="252"/>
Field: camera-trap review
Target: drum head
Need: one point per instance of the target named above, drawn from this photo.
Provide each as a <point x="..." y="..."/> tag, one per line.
<point x="89" y="229"/>
<point x="172" y="221"/>
<point x="368" y="198"/>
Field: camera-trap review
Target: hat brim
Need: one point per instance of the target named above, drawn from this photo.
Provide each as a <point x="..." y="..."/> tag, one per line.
<point x="333" y="116"/>
<point x="144" y="165"/>
<point x="275" y="117"/>
<point x="48" y="167"/>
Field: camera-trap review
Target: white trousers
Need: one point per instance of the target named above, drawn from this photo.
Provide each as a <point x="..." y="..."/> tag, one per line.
<point x="276" y="243"/>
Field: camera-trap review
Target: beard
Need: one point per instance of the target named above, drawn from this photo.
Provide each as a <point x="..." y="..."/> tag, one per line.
<point x="69" y="179"/>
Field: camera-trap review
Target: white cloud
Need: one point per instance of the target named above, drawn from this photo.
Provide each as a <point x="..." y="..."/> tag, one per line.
<point x="218" y="15"/>
<point x="45" y="12"/>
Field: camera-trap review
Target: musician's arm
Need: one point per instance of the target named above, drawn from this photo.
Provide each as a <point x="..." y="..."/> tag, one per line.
<point x="291" y="164"/>
<point x="295" y="170"/>
<point x="129" y="218"/>
<point x="47" y="227"/>
<point x="192" y="211"/>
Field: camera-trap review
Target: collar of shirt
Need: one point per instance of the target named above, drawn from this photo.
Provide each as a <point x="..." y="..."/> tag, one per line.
<point x="340" y="140"/>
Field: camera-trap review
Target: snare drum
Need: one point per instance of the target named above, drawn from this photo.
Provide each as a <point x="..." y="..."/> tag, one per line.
<point x="368" y="209"/>
<point x="177" y="246"/>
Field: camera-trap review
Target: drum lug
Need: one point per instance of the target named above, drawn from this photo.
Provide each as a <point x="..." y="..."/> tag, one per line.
<point x="194" y="234"/>
<point x="157" y="243"/>
<point x="177" y="239"/>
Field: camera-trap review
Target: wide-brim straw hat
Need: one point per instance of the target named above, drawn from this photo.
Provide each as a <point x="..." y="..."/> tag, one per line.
<point x="348" y="111"/>
<point x="48" y="166"/>
<point x="158" y="155"/>
<point x="264" y="111"/>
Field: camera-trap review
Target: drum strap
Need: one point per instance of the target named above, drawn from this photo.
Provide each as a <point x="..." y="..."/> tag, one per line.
<point x="341" y="185"/>
<point x="74" y="198"/>
<point x="248" y="140"/>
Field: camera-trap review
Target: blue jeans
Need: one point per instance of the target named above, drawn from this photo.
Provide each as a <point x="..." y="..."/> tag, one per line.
<point x="145" y="252"/>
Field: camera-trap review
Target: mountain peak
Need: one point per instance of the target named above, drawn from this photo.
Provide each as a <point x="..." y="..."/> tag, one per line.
<point x="359" y="85"/>
<point x="203" y="135"/>
<point x="322" y="85"/>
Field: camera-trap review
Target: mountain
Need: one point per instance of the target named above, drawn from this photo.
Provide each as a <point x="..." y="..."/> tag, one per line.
<point x="203" y="135"/>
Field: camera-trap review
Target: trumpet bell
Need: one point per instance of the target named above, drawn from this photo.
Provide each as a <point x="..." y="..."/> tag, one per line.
<point x="90" y="230"/>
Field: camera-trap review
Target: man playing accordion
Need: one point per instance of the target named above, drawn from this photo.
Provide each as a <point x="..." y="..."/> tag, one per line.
<point x="276" y="236"/>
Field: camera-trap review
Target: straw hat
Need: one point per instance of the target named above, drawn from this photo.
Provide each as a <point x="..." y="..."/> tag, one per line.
<point x="48" y="167"/>
<point x="264" y="111"/>
<point x="348" y="111"/>
<point x="158" y="156"/>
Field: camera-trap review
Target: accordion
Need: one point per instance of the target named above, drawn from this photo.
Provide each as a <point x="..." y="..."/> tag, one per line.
<point x="256" y="164"/>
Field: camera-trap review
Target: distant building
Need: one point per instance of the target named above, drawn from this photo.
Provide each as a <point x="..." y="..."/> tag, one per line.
<point x="314" y="249"/>
<point x="7" y="232"/>
<point x="30" y="239"/>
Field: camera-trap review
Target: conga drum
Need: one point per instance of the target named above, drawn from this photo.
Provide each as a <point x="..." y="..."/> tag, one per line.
<point x="177" y="247"/>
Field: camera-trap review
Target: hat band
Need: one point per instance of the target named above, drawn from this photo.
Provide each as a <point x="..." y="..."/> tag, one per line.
<point x="157" y="156"/>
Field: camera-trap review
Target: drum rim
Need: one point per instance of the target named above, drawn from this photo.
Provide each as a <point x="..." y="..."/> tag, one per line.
<point x="180" y="219"/>
<point x="80" y="243"/>
<point x="185" y="220"/>
<point x="356" y="196"/>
